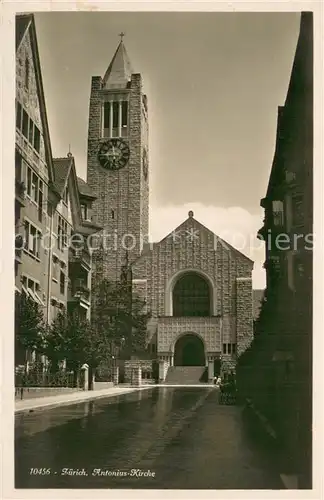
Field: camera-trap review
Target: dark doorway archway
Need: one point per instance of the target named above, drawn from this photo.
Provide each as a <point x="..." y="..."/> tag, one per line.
<point x="189" y="351"/>
<point x="191" y="296"/>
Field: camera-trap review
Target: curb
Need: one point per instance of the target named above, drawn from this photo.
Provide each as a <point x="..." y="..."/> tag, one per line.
<point x="264" y="421"/>
<point x="54" y="404"/>
<point x="289" y="481"/>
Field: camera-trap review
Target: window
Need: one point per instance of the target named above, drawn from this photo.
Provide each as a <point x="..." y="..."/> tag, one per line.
<point x="18" y="165"/>
<point x="34" y="188"/>
<point x="113" y="214"/>
<point x="191" y="296"/>
<point x="55" y="268"/>
<point x="124" y="113"/>
<point x="29" y="181"/>
<point x="36" y="139"/>
<point x="115" y="114"/>
<point x="115" y="118"/>
<point x="25" y="124"/>
<point x="106" y="116"/>
<point x="26" y="73"/>
<point x="31" y="287"/>
<point x="18" y="116"/>
<point x="297" y="210"/>
<point x="32" y="239"/>
<point x="31" y="132"/>
<point x="229" y="348"/>
<point x="62" y="233"/>
<point x="40" y="200"/>
<point x="84" y="212"/>
<point x="278" y="213"/>
<point x="62" y="283"/>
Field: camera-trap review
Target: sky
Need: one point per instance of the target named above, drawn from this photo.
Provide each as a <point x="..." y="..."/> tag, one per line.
<point x="214" y="82"/>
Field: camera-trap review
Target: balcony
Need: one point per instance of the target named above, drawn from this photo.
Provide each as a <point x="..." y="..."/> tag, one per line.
<point x="80" y="256"/>
<point x="79" y="292"/>
<point x="20" y="192"/>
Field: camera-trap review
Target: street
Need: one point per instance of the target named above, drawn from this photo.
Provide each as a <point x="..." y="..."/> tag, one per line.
<point x="175" y="438"/>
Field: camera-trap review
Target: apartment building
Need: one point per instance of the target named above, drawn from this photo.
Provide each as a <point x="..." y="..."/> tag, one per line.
<point x="51" y="204"/>
<point x="276" y="372"/>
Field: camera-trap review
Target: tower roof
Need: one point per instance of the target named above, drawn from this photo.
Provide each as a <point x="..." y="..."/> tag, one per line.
<point x="119" y="70"/>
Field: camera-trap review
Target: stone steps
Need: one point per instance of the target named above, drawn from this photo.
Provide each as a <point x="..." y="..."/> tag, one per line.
<point x="185" y="375"/>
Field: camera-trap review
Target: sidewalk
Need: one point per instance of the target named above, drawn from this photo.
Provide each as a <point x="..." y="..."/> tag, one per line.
<point x="73" y="398"/>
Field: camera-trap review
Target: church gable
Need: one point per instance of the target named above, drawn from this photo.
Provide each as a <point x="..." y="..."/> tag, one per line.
<point x="191" y="245"/>
<point x="191" y="233"/>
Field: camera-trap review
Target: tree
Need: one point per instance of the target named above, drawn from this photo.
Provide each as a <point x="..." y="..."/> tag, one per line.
<point x="29" y="324"/>
<point x="119" y="316"/>
<point x="72" y="338"/>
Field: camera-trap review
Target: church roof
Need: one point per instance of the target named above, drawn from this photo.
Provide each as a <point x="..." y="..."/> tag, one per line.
<point x="192" y="227"/>
<point x="119" y="70"/>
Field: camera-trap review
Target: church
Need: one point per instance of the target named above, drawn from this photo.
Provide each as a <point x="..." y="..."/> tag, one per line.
<point x="197" y="287"/>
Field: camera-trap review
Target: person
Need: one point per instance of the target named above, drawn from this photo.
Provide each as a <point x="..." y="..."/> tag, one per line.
<point x="218" y="381"/>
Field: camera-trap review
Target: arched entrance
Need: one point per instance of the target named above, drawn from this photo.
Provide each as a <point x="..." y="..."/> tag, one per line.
<point x="189" y="351"/>
<point x="191" y="296"/>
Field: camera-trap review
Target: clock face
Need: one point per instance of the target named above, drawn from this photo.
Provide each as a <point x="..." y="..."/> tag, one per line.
<point x="145" y="164"/>
<point x="113" y="154"/>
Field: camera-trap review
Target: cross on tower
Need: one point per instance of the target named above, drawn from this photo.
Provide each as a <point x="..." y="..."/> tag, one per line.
<point x="122" y="34"/>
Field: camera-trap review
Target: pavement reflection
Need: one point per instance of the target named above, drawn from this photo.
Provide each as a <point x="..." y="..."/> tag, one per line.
<point x="157" y="438"/>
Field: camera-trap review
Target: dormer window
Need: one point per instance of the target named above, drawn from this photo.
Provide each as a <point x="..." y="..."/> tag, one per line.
<point x="84" y="212"/>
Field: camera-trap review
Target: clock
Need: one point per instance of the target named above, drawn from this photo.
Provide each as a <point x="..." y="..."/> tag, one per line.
<point x="145" y="164"/>
<point x="113" y="154"/>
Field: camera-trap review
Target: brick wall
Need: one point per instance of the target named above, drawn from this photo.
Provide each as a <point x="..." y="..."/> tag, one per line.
<point x="122" y="203"/>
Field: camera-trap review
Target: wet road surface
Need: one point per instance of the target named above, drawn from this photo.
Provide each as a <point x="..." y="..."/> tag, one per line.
<point x="178" y="438"/>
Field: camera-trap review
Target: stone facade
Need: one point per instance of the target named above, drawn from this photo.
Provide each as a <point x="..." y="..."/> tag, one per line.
<point x="122" y="204"/>
<point x="122" y="208"/>
<point x="228" y="274"/>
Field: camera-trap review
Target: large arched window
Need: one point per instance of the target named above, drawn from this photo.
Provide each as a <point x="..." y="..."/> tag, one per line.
<point x="191" y="296"/>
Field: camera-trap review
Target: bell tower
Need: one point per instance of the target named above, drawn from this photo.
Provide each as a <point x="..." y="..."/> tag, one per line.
<point x="117" y="164"/>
